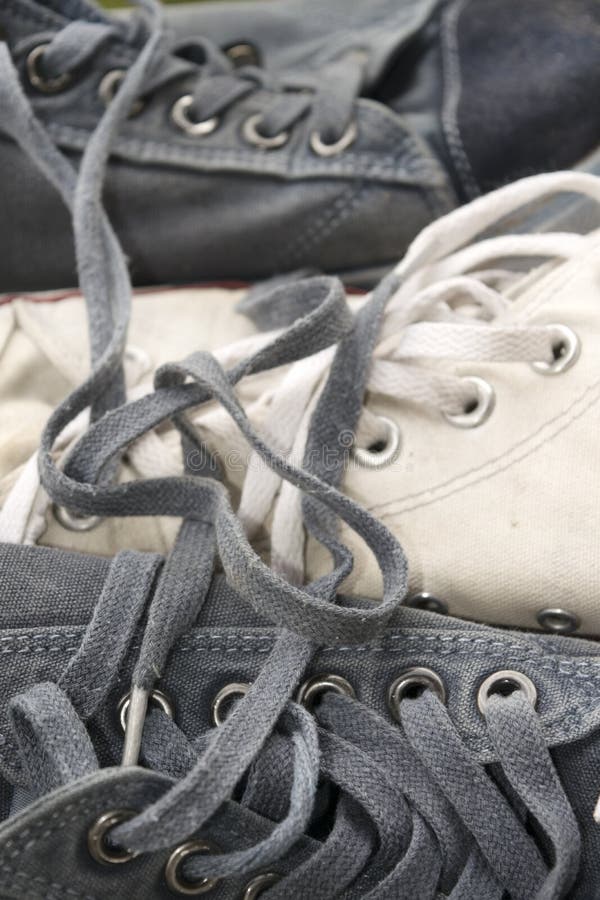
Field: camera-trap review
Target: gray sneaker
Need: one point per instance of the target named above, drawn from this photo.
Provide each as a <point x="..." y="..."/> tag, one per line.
<point x="217" y="174"/>
<point x="222" y="174"/>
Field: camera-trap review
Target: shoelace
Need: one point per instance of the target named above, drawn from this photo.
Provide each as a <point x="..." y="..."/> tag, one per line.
<point x="212" y="85"/>
<point x="404" y="842"/>
<point x="454" y="306"/>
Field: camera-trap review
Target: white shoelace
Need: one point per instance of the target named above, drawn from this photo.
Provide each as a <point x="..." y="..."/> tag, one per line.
<point x="453" y="305"/>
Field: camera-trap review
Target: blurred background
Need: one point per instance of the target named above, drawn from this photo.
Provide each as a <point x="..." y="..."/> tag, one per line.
<point x="113" y="3"/>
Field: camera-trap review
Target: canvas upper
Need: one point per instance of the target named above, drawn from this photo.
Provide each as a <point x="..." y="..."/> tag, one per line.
<point x="501" y="88"/>
<point x="491" y="510"/>
<point x="218" y="205"/>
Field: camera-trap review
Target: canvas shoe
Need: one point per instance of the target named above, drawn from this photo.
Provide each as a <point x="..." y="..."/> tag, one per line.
<point x="319" y="788"/>
<point x="443" y="781"/>
<point x="321" y="179"/>
<point x="465" y="79"/>
<point x="217" y="174"/>
<point x="479" y="412"/>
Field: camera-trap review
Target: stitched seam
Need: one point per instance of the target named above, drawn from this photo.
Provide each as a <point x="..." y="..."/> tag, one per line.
<point x="554" y="283"/>
<point x="200" y="642"/>
<point x="45" y="885"/>
<point x="452" y="92"/>
<point x="329" y="220"/>
<point x="567" y="417"/>
<point x="374" y="165"/>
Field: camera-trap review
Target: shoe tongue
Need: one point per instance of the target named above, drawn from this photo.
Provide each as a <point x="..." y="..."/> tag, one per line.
<point x="385" y="40"/>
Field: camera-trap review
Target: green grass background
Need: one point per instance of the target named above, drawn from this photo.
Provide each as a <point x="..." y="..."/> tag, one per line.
<point x="114" y="3"/>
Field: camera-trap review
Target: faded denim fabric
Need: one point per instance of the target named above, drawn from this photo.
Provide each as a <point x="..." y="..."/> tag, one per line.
<point x="190" y="208"/>
<point x="39" y="639"/>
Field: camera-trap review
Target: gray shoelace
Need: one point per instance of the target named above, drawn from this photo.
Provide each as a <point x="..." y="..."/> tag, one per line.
<point x="416" y="813"/>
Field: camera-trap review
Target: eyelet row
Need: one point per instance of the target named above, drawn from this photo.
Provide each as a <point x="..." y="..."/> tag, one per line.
<point x="104" y="853"/>
<point x="410" y="683"/>
<point x="566" y="351"/>
<point x="180" y="111"/>
<point x="180" y="115"/>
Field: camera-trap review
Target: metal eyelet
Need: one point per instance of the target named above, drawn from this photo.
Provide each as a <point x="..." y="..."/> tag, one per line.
<point x="505" y="682"/>
<point x="383" y="452"/>
<point x="565" y="349"/>
<point x="45" y="85"/>
<point x="98" y="847"/>
<point x="252" y="135"/>
<point x="237" y="689"/>
<point x="411" y="683"/>
<point x="258" y="885"/>
<point x="158" y="698"/>
<point x="481" y="409"/>
<point x="109" y="86"/>
<point x="180" y="114"/>
<point x="243" y="54"/>
<point x="73" y="522"/>
<point x="318" y="145"/>
<point x="312" y="689"/>
<point x="176" y="882"/>
<point x="559" y="621"/>
<point x="429" y="602"/>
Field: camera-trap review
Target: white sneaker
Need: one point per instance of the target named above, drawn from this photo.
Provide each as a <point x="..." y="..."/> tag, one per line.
<point x="477" y="441"/>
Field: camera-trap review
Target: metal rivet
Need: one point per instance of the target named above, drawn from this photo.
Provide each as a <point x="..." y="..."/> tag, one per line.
<point x="566" y="348"/>
<point x="383" y="454"/>
<point x="97" y="843"/>
<point x="252" y="134"/>
<point x="45" y="85"/>
<point x="158" y="698"/>
<point x="180" y="114"/>
<point x="481" y="408"/>
<point x="560" y="621"/>
<point x="505" y="682"/>
<point x="217" y="708"/>
<point x="429" y="602"/>
<point x="258" y="884"/>
<point x="72" y="522"/>
<point x="312" y="689"/>
<point x="411" y="683"/>
<point x="321" y="148"/>
<point x="243" y="54"/>
<point x="176" y="882"/>
<point x="109" y="86"/>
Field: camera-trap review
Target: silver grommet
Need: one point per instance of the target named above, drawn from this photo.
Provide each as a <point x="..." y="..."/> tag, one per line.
<point x="237" y="689"/>
<point x="73" y="522"/>
<point x="410" y="684"/>
<point x="429" y="602"/>
<point x="318" y="145"/>
<point x="252" y="135"/>
<point x="565" y="348"/>
<point x="176" y="882"/>
<point x="45" y="85"/>
<point x="180" y="114"/>
<point x="481" y="408"/>
<point x="312" y="689"/>
<point x="505" y="682"/>
<point x="109" y="86"/>
<point x="158" y="698"/>
<point x="243" y="54"/>
<point x="560" y="621"/>
<point x="259" y="884"/>
<point x="382" y="453"/>
<point x="97" y="843"/>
